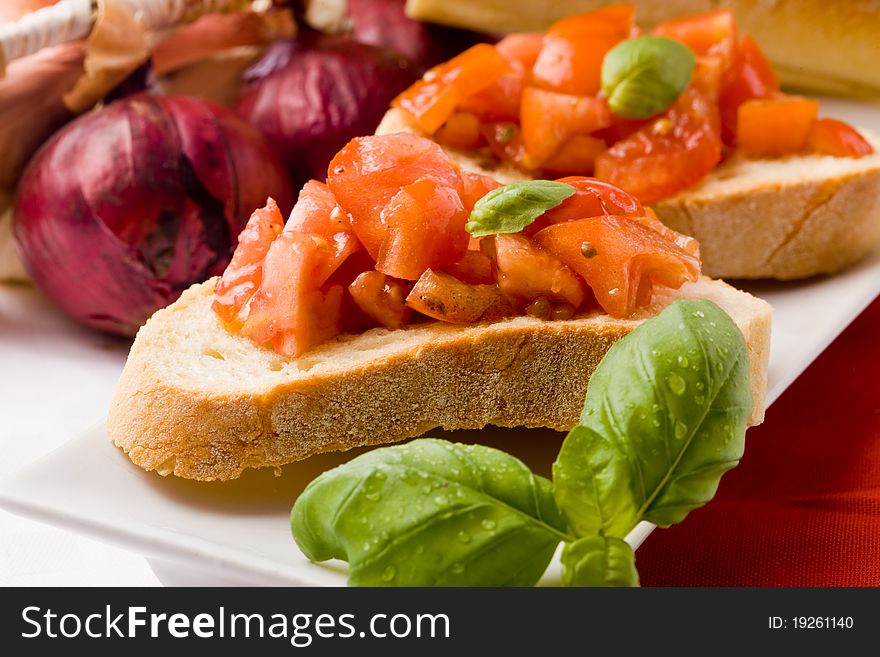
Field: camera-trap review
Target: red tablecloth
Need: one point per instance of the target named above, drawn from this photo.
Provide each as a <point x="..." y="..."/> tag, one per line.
<point x="803" y="507"/>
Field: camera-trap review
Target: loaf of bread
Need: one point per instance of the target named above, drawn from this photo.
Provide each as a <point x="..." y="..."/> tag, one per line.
<point x="818" y="45"/>
<point x="199" y="402"/>
<point x="782" y="218"/>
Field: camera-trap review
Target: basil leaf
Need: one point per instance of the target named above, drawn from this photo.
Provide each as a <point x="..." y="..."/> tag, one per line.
<point x="511" y="208"/>
<point x="665" y="416"/>
<point x="431" y="513"/>
<point x="642" y="77"/>
<point x="599" y="561"/>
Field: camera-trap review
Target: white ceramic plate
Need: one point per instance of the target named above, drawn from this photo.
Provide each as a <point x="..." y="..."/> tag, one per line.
<point x="237" y="532"/>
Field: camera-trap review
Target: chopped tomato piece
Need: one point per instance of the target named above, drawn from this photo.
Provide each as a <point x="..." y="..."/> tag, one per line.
<point x="317" y="213"/>
<point x="526" y="271"/>
<point x="751" y="76"/>
<point x="290" y="310"/>
<point x="686" y="243"/>
<point x="831" y="137"/>
<point x="500" y="101"/>
<point x="371" y="178"/>
<point x="429" y="104"/>
<point x="352" y="319"/>
<point x="424" y="229"/>
<point x="431" y="101"/>
<point x="669" y="154"/>
<point x="577" y="155"/>
<point x="446" y="298"/>
<point x="570" y="60"/>
<point x="476" y="186"/>
<point x="245" y="271"/>
<point x="471" y="71"/>
<point x="549" y="119"/>
<point x="381" y="297"/>
<point x="620" y="259"/>
<point x="475" y="267"/>
<point x="592" y="198"/>
<point x="461" y="130"/>
<point x="521" y="50"/>
<point x="620" y="128"/>
<point x="505" y="142"/>
<point x="780" y="126"/>
<point x="709" y="33"/>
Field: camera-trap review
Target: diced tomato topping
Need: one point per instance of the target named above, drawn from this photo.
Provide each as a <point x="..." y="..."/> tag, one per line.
<point x="403" y="194"/>
<point x="475" y="267"/>
<point x="686" y="243"/>
<point x="476" y="186"/>
<point x="505" y="141"/>
<point x="290" y="311"/>
<point x="831" y="137"/>
<point x="245" y="271"/>
<point x="432" y="100"/>
<point x="521" y="50"/>
<point x="381" y="297"/>
<point x="751" y="76"/>
<point x="448" y="299"/>
<point x="317" y="213"/>
<point x="592" y="198"/>
<point x="424" y="229"/>
<point x="780" y="126"/>
<point x="461" y="130"/>
<point x="473" y="70"/>
<point x="500" y="101"/>
<point x="709" y="33"/>
<point x="577" y="155"/>
<point x="428" y="103"/>
<point x="527" y="272"/>
<point x="570" y="60"/>
<point x="621" y="259"/>
<point x="669" y="154"/>
<point x="549" y="119"/>
<point x="620" y="128"/>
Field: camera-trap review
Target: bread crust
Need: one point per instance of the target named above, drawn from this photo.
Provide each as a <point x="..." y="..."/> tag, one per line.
<point x="520" y="372"/>
<point x="781" y="230"/>
<point x="786" y="219"/>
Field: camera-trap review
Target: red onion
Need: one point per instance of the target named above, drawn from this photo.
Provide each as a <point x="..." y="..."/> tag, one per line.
<point x="129" y="205"/>
<point x="384" y="23"/>
<point x="312" y="96"/>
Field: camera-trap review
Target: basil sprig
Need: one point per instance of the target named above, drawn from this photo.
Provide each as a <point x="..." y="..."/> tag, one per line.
<point x="511" y="208"/>
<point x="643" y="77"/>
<point x="664" y="418"/>
<point x="431" y="513"/>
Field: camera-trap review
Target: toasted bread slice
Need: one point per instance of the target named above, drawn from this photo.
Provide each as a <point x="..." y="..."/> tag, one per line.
<point x="782" y="218"/>
<point x="201" y="403"/>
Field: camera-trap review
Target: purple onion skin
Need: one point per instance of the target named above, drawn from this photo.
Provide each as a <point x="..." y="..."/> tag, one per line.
<point x="317" y="94"/>
<point x="384" y="23"/>
<point x="127" y="206"/>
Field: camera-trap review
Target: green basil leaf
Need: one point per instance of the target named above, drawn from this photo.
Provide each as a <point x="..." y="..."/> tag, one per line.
<point x="665" y="417"/>
<point x="511" y="208"/>
<point x="643" y="77"/>
<point x="431" y="513"/>
<point x="599" y="561"/>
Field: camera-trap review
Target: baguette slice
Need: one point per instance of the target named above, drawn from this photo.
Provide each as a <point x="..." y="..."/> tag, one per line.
<point x="783" y="218"/>
<point x="201" y="403"/>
